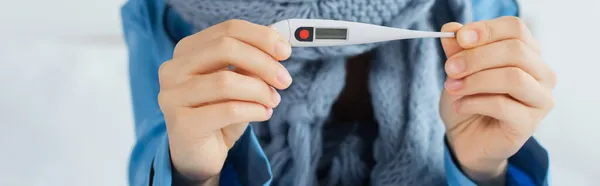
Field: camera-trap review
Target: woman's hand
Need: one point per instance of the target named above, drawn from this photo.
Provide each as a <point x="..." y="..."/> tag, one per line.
<point x="208" y="106"/>
<point x="497" y="92"/>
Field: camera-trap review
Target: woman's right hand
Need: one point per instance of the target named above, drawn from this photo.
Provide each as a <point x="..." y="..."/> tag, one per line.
<point x="207" y="106"/>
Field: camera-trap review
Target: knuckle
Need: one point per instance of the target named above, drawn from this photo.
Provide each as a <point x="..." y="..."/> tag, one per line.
<point x="518" y="26"/>
<point x="181" y="46"/>
<point x="553" y="78"/>
<point x="226" y="46"/>
<point x="548" y="100"/>
<point x="516" y="77"/>
<point x="512" y="19"/>
<point x="232" y="110"/>
<point x="163" y="100"/>
<point x="172" y="114"/>
<point x="231" y="26"/>
<point x="521" y="28"/>
<point x="164" y="70"/>
<point x="272" y="35"/>
<point x="224" y="80"/>
<point x="551" y="102"/>
<point x="517" y="52"/>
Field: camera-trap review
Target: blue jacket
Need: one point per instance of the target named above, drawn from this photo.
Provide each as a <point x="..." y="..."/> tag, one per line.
<point x="151" y="32"/>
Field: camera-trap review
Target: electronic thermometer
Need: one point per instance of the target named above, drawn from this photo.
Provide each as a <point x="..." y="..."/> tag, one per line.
<point x="320" y="32"/>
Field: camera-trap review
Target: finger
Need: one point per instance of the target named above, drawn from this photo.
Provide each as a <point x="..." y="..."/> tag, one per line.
<point x="233" y="132"/>
<point x="219" y="115"/>
<point x="226" y="51"/>
<point x="259" y="36"/>
<point x="507" y="53"/>
<point x="220" y="86"/>
<point x="499" y="107"/>
<point x="450" y="45"/>
<point x="489" y="31"/>
<point x="509" y="80"/>
<point x="244" y="72"/>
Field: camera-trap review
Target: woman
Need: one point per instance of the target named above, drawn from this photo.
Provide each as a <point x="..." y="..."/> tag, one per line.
<point x="414" y="112"/>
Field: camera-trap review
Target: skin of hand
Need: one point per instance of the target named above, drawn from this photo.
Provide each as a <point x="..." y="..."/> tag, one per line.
<point x="497" y="92"/>
<point x="207" y="106"/>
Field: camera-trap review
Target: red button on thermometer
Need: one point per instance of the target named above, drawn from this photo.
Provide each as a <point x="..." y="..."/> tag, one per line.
<point x="304" y="34"/>
<point x="320" y="32"/>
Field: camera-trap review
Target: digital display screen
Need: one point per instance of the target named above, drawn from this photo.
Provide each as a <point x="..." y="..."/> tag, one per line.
<point x="331" y="33"/>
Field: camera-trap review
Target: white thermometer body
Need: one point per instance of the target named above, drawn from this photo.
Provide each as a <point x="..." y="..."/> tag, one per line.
<point x="319" y="32"/>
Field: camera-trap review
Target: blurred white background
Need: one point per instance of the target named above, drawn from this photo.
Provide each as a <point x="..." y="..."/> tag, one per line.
<point x="66" y="115"/>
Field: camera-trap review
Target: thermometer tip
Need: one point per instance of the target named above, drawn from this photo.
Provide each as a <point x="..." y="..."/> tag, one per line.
<point x="448" y="34"/>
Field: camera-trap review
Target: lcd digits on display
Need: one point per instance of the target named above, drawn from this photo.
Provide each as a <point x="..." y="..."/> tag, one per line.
<point x="331" y="33"/>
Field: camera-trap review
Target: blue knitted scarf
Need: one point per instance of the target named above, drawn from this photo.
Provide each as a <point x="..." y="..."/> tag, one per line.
<point x="405" y="82"/>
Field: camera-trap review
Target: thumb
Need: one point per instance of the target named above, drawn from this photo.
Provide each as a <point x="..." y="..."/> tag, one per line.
<point x="450" y="45"/>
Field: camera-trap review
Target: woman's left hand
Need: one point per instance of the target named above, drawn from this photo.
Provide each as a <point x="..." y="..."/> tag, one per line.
<point x="497" y="92"/>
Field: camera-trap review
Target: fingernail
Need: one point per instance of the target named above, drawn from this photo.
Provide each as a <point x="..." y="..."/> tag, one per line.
<point x="284" y="77"/>
<point x="456" y="65"/>
<point x="469" y="37"/>
<point x="276" y="97"/>
<point x="283" y="49"/>
<point x="453" y="84"/>
<point x="269" y="112"/>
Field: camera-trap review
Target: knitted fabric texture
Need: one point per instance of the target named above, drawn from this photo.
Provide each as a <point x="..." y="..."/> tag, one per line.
<point x="405" y="82"/>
